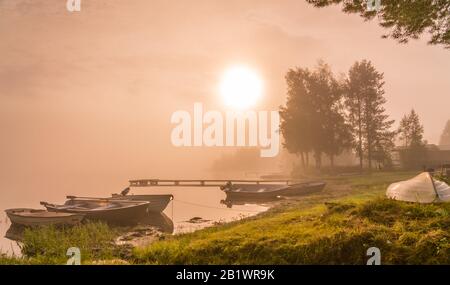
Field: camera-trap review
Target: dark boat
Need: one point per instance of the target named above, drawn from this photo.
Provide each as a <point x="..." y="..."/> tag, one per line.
<point x="270" y="191"/>
<point x="160" y="221"/>
<point x="113" y="211"/>
<point x="157" y="203"/>
<point x="15" y="232"/>
<point x="230" y="201"/>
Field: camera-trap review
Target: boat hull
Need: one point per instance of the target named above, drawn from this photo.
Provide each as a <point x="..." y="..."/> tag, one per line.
<point x="32" y="218"/>
<point x="160" y="221"/>
<point x="120" y="215"/>
<point x="290" y="190"/>
<point x="157" y="203"/>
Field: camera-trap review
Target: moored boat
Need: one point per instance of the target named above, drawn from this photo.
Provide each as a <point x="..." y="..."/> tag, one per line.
<point x="270" y="191"/>
<point x="113" y="211"/>
<point x="157" y="203"/>
<point x="231" y="201"/>
<point x="32" y="217"/>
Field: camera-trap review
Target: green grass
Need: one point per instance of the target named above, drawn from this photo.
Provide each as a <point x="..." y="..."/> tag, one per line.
<point x="8" y="260"/>
<point x="335" y="233"/>
<point x="309" y="231"/>
<point x="336" y="226"/>
<point x="48" y="245"/>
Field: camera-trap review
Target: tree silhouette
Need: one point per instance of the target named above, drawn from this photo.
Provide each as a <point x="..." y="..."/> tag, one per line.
<point x="445" y="137"/>
<point x="410" y="130"/>
<point x="406" y="19"/>
<point x="364" y="100"/>
<point x="411" y="133"/>
<point x="313" y="120"/>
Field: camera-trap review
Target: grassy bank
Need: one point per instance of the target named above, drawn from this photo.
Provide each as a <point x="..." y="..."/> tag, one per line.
<point x="308" y="231"/>
<point x="336" y="226"/>
<point x="48" y="245"/>
<point x="336" y="233"/>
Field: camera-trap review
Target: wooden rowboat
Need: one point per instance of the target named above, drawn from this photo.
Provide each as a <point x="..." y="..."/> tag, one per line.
<point x="32" y="217"/>
<point x="157" y="203"/>
<point x="270" y="191"/>
<point x="113" y="211"/>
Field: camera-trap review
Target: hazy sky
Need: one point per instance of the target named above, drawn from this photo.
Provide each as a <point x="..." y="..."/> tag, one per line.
<point x="90" y="94"/>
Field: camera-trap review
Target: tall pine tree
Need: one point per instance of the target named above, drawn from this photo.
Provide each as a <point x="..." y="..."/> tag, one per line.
<point x="411" y="133"/>
<point x="445" y="137"/>
<point x="364" y="99"/>
<point x="410" y="130"/>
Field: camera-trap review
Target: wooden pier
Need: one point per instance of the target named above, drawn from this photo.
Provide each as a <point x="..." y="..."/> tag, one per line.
<point x="202" y="182"/>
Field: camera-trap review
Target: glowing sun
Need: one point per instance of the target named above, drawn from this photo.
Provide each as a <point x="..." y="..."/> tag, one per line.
<point x="240" y="87"/>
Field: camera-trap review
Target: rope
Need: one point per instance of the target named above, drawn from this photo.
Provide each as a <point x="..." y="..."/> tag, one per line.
<point x="212" y="207"/>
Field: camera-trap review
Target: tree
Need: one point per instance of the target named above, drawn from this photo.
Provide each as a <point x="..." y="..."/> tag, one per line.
<point x="407" y="19"/>
<point x="338" y="136"/>
<point x="364" y="100"/>
<point x="383" y="147"/>
<point x="410" y="130"/>
<point x="313" y="118"/>
<point x="445" y="137"/>
<point x="404" y="131"/>
<point x="295" y="117"/>
<point x="411" y="133"/>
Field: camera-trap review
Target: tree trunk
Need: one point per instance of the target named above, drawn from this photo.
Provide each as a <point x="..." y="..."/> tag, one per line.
<point x="332" y="161"/>
<point x="318" y="158"/>
<point x="303" y="159"/>
<point x="360" y="152"/>
<point x="369" y="152"/>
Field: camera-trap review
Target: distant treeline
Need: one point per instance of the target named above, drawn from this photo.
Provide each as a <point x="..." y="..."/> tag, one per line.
<point x="326" y="115"/>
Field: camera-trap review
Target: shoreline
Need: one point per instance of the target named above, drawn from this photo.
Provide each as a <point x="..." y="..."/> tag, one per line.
<point x="349" y="212"/>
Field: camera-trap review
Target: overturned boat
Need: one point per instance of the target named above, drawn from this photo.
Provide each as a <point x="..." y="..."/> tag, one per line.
<point x="31" y="217"/>
<point x="270" y="191"/>
<point x="113" y="211"/>
<point x="420" y="189"/>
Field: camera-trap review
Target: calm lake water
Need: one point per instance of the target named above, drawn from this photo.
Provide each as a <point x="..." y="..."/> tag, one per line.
<point x="189" y="202"/>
